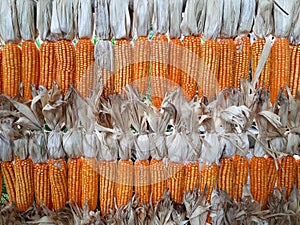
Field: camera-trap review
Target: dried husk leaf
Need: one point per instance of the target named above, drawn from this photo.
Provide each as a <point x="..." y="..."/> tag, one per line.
<point x="5" y="146"/>
<point x="37" y="147"/>
<point x="26" y="17"/>
<point x="142" y="16"/>
<point x="102" y="19"/>
<point x="264" y="23"/>
<point x="213" y="21"/>
<point x="90" y="144"/>
<point x="295" y="27"/>
<point x="161" y="16"/>
<point x="20" y="147"/>
<point x="44" y="15"/>
<point x="246" y="17"/>
<point x="260" y="147"/>
<point x="38" y="103"/>
<point x="175" y="15"/>
<point x="84" y="20"/>
<point x="177" y="147"/>
<point x="227" y="146"/>
<point x="231" y="15"/>
<point x="109" y="146"/>
<point x="211" y="148"/>
<point x="55" y="145"/>
<point x="120" y="21"/>
<point x="9" y="28"/>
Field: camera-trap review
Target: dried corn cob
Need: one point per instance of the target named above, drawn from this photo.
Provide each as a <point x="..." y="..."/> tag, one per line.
<point x="192" y="172"/>
<point x="280" y="66"/>
<point x="174" y="64"/>
<point x="209" y="176"/>
<point x="190" y="64"/>
<point x="30" y="66"/>
<point x="242" y="170"/>
<point x="298" y="173"/>
<point x="158" y="179"/>
<point x="294" y="83"/>
<point x="159" y="55"/>
<point x="141" y="68"/>
<point x="90" y="182"/>
<point x="65" y="58"/>
<point x="74" y="180"/>
<point x="227" y="176"/>
<point x="24" y="183"/>
<point x="108" y="175"/>
<point x="287" y="174"/>
<point x="58" y="182"/>
<point x="271" y="176"/>
<point x="11" y="61"/>
<point x="42" y="184"/>
<point x="123" y="64"/>
<point x="48" y="64"/>
<point x="242" y="60"/>
<point x="84" y="77"/>
<point x="142" y="188"/>
<point x="9" y="180"/>
<point x="175" y="182"/>
<point x="125" y="179"/>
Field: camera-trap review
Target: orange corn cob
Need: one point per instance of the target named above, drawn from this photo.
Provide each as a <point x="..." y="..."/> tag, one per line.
<point x="209" y="176"/>
<point x="242" y="60"/>
<point x="65" y="58"/>
<point x="58" y="183"/>
<point x="90" y="182"/>
<point x="1" y="75"/>
<point x="123" y="64"/>
<point x="142" y="188"/>
<point x="42" y="187"/>
<point x="242" y="170"/>
<point x="271" y="175"/>
<point x="11" y="68"/>
<point x="287" y="174"/>
<point x="84" y="77"/>
<point x="159" y="55"/>
<point x="141" y="68"/>
<point x="30" y="66"/>
<point x="48" y="64"/>
<point x="125" y="179"/>
<point x="174" y="64"/>
<point x="175" y="182"/>
<point x="190" y="64"/>
<point x="209" y="68"/>
<point x="294" y="84"/>
<point x="258" y="179"/>
<point x="158" y="179"/>
<point x="280" y="66"/>
<point x="227" y="60"/>
<point x="298" y="173"/>
<point x="192" y="173"/>
<point x="256" y="51"/>
<point x="108" y="175"/>
<point x="227" y="176"/>
<point x="74" y="180"/>
<point x="9" y="180"/>
<point x="24" y="183"/>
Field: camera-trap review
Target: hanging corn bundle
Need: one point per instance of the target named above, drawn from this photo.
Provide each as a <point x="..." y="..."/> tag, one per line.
<point x="11" y="53"/>
<point x="84" y="75"/>
<point x="123" y="53"/>
<point x="62" y="28"/>
<point x="104" y="50"/>
<point x="192" y="49"/>
<point x="242" y="42"/>
<point x="175" y="45"/>
<point x="159" y="51"/>
<point x="30" y="53"/>
<point x="142" y="17"/>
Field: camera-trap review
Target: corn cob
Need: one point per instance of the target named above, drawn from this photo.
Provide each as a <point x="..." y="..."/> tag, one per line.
<point x="256" y="51"/>
<point x="209" y="176"/>
<point x="74" y="180"/>
<point x="227" y="61"/>
<point x="65" y="58"/>
<point x="242" y="170"/>
<point x="9" y="180"/>
<point x="280" y="66"/>
<point x="30" y="66"/>
<point x="142" y="188"/>
<point x="191" y="64"/>
<point x="123" y="64"/>
<point x="271" y="175"/>
<point x="11" y="61"/>
<point x="108" y="175"/>
<point x="24" y="183"/>
<point x="174" y="64"/>
<point x="84" y="78"/>
<point x="287" y="174"/>
<point x="1" y="74"/>
<point x="141" y="68"/>
<point x="242" y="60"/>
<point x="209" y="68"/>
<point x="192" y="173"/>
<point x="125" y="179"/>
<point x="48" y="64"/>
<point x="158" y="179"/>
<point x="175" y="182"/>
<point x="298" y="173"/>
<point x="42" y="187"/>
<point x="294" y="83"/>
<point x="89" y="179"/>
<point x="159" y="55"/>
<point x="258" y="179"/>
<point x="227" y="176"/>
<point x="58" y="183"/>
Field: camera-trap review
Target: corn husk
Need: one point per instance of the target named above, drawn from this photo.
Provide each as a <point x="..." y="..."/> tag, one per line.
<point x="5" y="145"/>
<point x="246" y="17"/>
<point x="161" y="16"/>
<point x="44" y="15"/>
<point x="102" y="19"/>
<point x="264" y="23"/>
<point x="120" y="21"/>
<point x="26" y="17"/>
<point x="231" y="15"/>
<point x="295" y="27"/>
<point x="142" y="17"/>
<point x="62" y="21"/>
<point x="84" y="20"/>
<point x="37" y="147"/>
<point x="175" y="15"/>
<point x="20" y="147"/>
<point x="9" y="28"/>
<point x="211" y="148"/>
<point x="213" y="20"/>
<point x="109" y="146"/>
